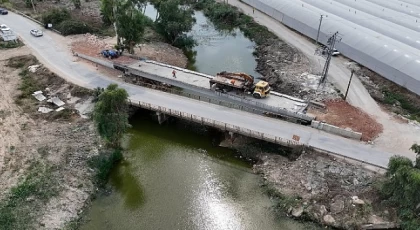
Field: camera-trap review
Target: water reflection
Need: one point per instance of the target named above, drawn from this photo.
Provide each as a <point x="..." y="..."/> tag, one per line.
<point x="190" y="185"/>
<point x="217" y="50"/>
<point x="127" y="185"/>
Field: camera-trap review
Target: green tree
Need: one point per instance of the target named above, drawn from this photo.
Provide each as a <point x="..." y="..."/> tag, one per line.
<point x="111" y="114"/>
<point x="131" y="24"/>
<point x="77" y="4"/>
<point x="402" y="189"/>
<point x="416" y="149"/>
<point x="174" y="21"/>
<point x="127" y="19"/>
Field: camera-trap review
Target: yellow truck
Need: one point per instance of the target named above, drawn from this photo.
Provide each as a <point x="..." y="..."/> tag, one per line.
<point x="226" y="81"/>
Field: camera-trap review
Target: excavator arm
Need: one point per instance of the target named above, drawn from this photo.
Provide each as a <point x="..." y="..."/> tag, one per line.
<point x="240" y="76"/>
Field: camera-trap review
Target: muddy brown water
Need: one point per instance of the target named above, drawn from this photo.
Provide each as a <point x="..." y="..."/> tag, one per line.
<point x="174" y="178"/>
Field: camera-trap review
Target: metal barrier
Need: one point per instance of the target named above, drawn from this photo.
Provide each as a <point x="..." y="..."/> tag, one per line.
<point x="240" y="130"/>
<point x="206" y="92"/>
<point x="217" y="124"/>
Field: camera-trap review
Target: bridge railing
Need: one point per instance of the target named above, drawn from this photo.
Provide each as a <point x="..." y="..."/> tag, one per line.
<point x="218" y="124"/>
<point x="210" y="100"/>
<point x="237" y="98"/>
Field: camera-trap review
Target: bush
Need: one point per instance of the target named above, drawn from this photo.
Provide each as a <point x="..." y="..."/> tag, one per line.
<point x="69" y="27"/>
<point x="402" y="189"/>
<point x="10" y="44"/>
<point x="103" y="164"/>
<point x="56" y="16"/>
<point x="185" y="42"/>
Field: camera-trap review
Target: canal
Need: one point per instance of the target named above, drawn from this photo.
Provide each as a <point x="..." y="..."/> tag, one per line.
<point x="174" y="178"/>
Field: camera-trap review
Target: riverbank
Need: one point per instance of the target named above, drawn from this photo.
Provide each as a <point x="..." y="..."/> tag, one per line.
<point x="287" y="69"/>
<point x="45" y="178"/>
<point x="313" y="186"/>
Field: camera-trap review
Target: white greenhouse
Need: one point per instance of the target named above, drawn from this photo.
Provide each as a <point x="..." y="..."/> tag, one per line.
<point x="388" y="43"/>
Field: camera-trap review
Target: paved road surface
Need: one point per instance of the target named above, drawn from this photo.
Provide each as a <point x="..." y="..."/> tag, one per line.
<point x="56" y="57"/>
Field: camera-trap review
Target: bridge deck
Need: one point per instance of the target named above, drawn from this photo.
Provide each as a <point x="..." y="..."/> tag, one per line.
<point x="202" y="81"/>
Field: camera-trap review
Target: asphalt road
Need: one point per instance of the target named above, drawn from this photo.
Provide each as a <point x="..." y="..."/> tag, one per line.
<point x="53" y="53"/>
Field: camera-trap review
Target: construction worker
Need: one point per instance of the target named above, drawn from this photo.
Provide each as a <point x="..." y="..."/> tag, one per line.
<point x="173" y="73"/>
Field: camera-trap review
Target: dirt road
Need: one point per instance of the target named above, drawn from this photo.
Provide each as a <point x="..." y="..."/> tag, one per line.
<point x="396" y="137"/>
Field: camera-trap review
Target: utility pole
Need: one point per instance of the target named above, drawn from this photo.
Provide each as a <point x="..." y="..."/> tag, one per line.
<point x="331" y="43"/>
<point x="348" y="86"/>
<point x="319" y="28"/>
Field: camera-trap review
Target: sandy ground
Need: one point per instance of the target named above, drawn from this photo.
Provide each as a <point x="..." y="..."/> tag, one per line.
<point x="63" y="145"/>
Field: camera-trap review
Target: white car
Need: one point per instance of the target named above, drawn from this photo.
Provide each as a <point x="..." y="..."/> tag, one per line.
<point x="335" y="52"/>
<point x="3" y="27"/>
<point x="36" y="33"/>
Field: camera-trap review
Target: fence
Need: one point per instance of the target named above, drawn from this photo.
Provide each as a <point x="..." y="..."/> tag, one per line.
<point x="244" y="131"/>
<point x="203" y="92"/>
<point x="207" y="95"/>
<point x="211" y="100"/>
<point x="336" y="130"/>
<point x="217" y="124"/>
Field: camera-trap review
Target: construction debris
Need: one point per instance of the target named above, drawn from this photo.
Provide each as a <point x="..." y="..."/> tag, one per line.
<point x="59" y="109"/>
<point x="44" y="109"/>
<point x="39" y="96"/>
<point x="56" y="101"/>
<point x="33" y="68"/>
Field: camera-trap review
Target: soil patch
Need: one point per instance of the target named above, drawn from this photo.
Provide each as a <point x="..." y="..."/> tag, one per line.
<point x="342" y="114"/>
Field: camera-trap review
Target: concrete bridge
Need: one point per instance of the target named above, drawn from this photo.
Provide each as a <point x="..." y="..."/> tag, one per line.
<point x="55" y="55"/>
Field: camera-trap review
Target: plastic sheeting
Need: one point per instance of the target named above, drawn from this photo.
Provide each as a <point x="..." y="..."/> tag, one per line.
<point x="402" y="7"/>
<point x="392" y="58"/>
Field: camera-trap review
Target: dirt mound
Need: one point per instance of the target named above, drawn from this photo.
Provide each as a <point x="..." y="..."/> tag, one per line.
<point x="92" y="45"/>
<point x="342" y="114"/>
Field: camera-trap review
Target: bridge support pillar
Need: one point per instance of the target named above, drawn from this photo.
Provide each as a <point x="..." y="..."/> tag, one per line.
<point x="161" y="117"/>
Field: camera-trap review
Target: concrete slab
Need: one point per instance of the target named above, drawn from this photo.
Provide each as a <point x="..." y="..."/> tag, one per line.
<point x="44" y="109"/>
<point x="202" y="80"/>
<point x="57" y="101"/>
<point x="39" y="96"/>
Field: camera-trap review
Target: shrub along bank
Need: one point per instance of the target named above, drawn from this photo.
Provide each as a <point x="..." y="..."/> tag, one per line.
<point x="227" y="17"/>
